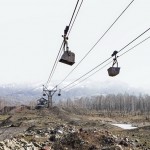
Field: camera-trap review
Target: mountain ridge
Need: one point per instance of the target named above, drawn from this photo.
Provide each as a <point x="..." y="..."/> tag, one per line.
<point x="24" y="93"/>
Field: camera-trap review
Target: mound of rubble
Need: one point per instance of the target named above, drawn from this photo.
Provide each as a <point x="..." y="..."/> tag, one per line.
<point x="59" y="129"/>
<point x="68" y="137"/>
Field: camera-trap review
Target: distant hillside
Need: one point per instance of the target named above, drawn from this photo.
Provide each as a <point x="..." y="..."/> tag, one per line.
<point x="18" y="94"/>
<point x="24" y="93"/>
<point x="102" y="88"/>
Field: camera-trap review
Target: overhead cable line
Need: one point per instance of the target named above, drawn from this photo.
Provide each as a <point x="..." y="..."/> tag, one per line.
<point x="96" y="42"/>
<point x="75" y="17"/>
<point x="70" y="28"/>
<point x="74" y="12"/>
<point x="109" y="63"/>
<point x="105" y="60"/>
<point x="58" y="55"/>
<point x="134" y="40"/>
<point x="86" y="73"/>
<point x="134" y="46"/>
<point x="54" y="66"/>
<point x="89" y="76"/>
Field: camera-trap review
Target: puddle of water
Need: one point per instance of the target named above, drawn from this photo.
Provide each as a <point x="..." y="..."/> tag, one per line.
<point x="125" y="126"/>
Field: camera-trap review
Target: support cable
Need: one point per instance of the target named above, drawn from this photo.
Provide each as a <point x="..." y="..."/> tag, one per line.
<point x="58" y="55"/>
<point x="68" y="35"/>
<point x="89" y="76"/>
<point x="109" y="63"/>
<point x="134" y="40"/>
<point x="54" y="66"/>
<point x="96" y="43"/>
<point x="74" y="12"/>
<point x="105" y="60"/>
<point x="134" y="46"/>
<point x="75" y="17"/>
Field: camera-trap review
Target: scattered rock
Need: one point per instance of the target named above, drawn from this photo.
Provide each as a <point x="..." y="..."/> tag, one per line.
<point x="7" y="122"/>
<point x="115" y="147"/>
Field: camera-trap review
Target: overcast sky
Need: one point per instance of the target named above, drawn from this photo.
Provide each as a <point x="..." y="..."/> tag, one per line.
<point x="30" y="38"/>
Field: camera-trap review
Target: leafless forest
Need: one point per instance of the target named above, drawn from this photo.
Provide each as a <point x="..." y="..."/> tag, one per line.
<point x="121" y="104"/>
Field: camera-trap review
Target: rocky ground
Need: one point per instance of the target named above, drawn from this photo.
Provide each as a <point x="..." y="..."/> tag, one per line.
<point x="68" y="129"/>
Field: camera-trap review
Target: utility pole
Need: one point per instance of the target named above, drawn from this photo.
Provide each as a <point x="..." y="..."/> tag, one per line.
<point x="50" y="94"/>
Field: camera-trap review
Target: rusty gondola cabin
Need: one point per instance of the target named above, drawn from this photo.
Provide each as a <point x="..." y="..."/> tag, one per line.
<point x="68" y="58"/>
<point x="44" y="94"/>
<point x="113" y="71"/>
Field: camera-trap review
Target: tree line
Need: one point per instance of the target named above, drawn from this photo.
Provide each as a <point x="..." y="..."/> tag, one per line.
<point x="120" y="103"/>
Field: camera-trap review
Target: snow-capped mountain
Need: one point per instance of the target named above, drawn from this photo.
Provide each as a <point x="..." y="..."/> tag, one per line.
<point x="24" y="93"/>
<point x="19" y="93"/>
<point x="103" y="88"/>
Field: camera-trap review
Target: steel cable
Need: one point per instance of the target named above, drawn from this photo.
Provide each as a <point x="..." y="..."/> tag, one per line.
<point x="96" y="43"/>
<point x="106" y="59"/>
<point x="58" y="55"/>
<point x="109" y="63"/>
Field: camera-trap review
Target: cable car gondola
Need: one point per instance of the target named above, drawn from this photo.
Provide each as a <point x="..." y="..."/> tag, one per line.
<point x="44" y="94"/>
<point x="59" y="94"/>
<point x="68" y="57"/>
<point x="113" y="71"/>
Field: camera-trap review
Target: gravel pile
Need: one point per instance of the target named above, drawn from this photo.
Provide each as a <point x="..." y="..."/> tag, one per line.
<point x="68" y="137"/>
